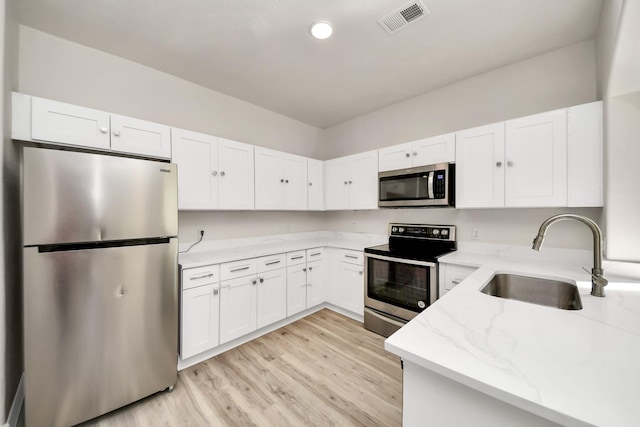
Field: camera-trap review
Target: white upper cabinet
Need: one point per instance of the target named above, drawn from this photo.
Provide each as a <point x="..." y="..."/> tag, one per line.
<point x="281" y="180"/>
<point x="235" y="175"/>
<point x="196" y="155"/>
<point x="351" y="182"/>
<point x="536" y="160"/>
<point x="131" y="135"/>
<point x="480" y="167"/>
<point x="315" y="185"/>
<point x="68" y="124"/>
<point x="585" y="158"/>
<point x="427" y="151"/>
<point x="44" y="120"/>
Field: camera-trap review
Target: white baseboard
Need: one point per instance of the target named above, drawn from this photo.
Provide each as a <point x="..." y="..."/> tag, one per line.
<point x="16" y="406"/>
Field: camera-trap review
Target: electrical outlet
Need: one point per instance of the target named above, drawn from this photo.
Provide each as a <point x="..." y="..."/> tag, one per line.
<point x="475" y="234"/>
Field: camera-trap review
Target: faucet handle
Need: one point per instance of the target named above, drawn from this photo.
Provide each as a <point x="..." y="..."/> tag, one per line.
<point x="598" y="280"/>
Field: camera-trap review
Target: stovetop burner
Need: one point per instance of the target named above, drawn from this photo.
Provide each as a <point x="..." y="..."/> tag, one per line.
<point x="420" y="242"/>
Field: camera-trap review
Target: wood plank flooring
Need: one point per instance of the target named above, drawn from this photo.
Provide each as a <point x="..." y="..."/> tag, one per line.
<point x="323" y="370"/>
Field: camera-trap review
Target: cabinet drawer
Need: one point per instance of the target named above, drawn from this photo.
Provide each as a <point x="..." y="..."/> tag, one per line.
<point x="454" y="274"/>
<point x="245" y="267"/>
<point x="295" y="258"/>
<point x="194" y="277"/>
<point x="315" y="254"/>
<point x="351" y="257"/>
<point x="271" y="262"/>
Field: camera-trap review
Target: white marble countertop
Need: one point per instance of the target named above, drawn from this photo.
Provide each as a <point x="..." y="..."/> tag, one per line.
<point x="576" y="368"/>
<point x="219" y="251"/>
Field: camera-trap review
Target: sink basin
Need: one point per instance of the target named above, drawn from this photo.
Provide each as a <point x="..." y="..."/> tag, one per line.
<point x="552" y="293"/>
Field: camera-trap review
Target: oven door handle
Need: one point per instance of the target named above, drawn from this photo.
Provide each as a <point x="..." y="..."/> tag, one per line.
<point x="400" y="260"/>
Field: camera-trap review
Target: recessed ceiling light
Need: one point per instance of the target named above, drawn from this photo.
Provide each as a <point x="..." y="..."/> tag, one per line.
<point x="321" y="30"/>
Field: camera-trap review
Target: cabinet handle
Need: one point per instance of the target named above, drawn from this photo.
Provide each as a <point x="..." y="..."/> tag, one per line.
<point x="350" y="182"/>
<point x="310" y="268"/>
<point x="360" y="272"/>
<point x="272" y="262"/>
<point x="297" y="257"/>
<point x="415" y="153"/>
<point x="509" y="163"/>
<point x="456" y="282"/>
<point x="498" y="164"/>
<point x="407" y="155"/>
<point x="310" y="184"/>
<point x="304" y="269"/>
<point x="116" y="133"/>
<point x="214" y="173"/>
<point x="309" y="284"/>
<point x="350" y="256"/>
<point x="215" y="292"/>
<point x="222" y="173"/>
<point x="262" y="280"/>
<point x="282" y="180"/>
<point x="254" y="281"/>
<point x="316" y="254"/>
<point x="201" y="276"/>
<point x="103" y="129"/>
<point x="233" y="270"/>
<point x="286" y="181"/>
<point x="345" y="183"/>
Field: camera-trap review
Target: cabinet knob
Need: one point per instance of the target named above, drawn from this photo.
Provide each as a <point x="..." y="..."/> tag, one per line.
<point x="415" y="153"/>
<point x="350" y="182"/>
<point x="262" y="280"/>
<point x="304" y="269"/>
<point x="222" y="173"/>
<point x="282" y="180"/>
<point x="310" y="184"/>
<point x="215" y="292"/>
<point x="407" y="155"/>
<point x="116" y="133"/>
<point x="103" y="129"/>
<point x="253" y="282"/>
<point x="345" y="183"/>
<point x="286" y="181"/>
<point x="509" y="163"/>
<point x="310" y="268"/>
<point x="214" y="173"/>
<point x="498" y="164"/>
<point x="360" y="272"/>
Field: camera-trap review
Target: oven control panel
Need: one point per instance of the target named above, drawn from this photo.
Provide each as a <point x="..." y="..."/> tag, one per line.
<point x="423" y="231"/>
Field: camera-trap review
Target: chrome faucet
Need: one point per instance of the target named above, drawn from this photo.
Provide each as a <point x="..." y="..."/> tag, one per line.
<point x="598" y="282"/>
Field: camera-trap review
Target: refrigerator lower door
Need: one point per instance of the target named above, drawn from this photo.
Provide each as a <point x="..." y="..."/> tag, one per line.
<point x="100" y="329"/>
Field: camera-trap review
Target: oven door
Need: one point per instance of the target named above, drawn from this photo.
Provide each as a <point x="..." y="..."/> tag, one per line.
<point x="400" y="287"/>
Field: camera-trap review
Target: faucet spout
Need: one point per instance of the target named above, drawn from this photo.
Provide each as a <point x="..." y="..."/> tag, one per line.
<point x="598" y="282"/>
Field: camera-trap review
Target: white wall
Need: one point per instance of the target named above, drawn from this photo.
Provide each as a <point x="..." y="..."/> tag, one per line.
<point x="606" y="42"/>
<point x="557" y="79"/>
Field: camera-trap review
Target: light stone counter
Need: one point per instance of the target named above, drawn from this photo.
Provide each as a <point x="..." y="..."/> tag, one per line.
<point x="571" y="367"/>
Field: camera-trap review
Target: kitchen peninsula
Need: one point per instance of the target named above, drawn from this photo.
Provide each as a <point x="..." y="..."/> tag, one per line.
<point x="475" y="359"/>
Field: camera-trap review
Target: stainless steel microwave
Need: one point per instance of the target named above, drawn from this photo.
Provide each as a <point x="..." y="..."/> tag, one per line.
<point x="423" y="186"/>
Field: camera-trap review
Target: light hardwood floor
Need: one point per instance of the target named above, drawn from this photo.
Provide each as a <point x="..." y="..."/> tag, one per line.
<point x="322" y="370"/>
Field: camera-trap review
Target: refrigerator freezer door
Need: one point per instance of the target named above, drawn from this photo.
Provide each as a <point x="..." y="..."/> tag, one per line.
<point x="71" y="197"/>
<point x="100" y="329"/>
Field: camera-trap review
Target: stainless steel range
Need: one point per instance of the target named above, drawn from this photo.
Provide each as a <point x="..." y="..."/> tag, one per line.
<point x="401" y="277"/>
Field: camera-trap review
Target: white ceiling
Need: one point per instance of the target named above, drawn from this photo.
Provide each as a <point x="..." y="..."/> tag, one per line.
<point x="260" y="51"/>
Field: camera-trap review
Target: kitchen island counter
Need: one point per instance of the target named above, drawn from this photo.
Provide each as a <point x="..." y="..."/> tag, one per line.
<point x="556" y="366"/>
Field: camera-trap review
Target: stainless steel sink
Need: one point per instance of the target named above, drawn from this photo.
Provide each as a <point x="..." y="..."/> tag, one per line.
<point x="552" y="293"/>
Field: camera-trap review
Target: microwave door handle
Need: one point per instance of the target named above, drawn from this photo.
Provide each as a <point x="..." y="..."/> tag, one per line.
<point x="430" y="185"/>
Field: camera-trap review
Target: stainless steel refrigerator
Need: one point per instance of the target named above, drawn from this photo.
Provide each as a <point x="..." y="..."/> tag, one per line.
<point x="100" y="283"/>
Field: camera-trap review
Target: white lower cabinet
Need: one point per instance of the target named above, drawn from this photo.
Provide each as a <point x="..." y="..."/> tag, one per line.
<point x="238" y="307"/>
<point x="315" y="283"/>
<point x="272" y="297"/>
<point x="305" y="281"/>
<point x="200" y="317"/>
<point x="346" y="285"/>
<point x="450" y="275"/>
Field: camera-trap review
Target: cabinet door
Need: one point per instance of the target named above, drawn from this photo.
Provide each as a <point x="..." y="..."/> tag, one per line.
<point x="395" y="157"/>
<point x="272" y="297"/>
<point x="136" y="136"/>
<point x="296" y="289"/>
<point x="200" y="317"/>
<point x="315" y="283"/>
<point x="336" y="188"/>
<point x="235" y="176"/>
<point x="196" y="155"/>
<point x="69" y="124"/>
<point x="363" y="186"/>
<point x="351" y="283"/>
<point x="237" y="308"/>
<point x="452" y="275"/>
<point x="270" y="176"/>
<point x="315" y="185"/>
<point x="536" y="157"/>
<point x="585" y="155"/>
<point x="437" y="149"/>
<point x="480" y="167"/>
<point x="295" y="178"/>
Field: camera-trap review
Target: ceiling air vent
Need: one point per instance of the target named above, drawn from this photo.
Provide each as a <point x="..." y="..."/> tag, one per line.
<point x="401" y="18"/>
